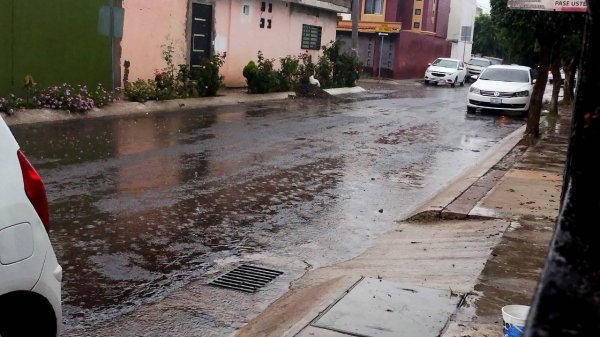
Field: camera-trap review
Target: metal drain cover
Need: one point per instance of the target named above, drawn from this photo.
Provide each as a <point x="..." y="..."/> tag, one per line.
<point x="246" y="278"/>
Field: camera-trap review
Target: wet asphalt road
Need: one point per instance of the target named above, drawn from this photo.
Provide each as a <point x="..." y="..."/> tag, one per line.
<point x="142" y="205"/>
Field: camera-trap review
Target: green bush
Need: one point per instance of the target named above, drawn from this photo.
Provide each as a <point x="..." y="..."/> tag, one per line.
<point x="306" y="68"/>
<point x="342" y="68"/>
<point x="260" y="76"/>
<point x="140" y="90"/>
<point x="288" y="72"/>
<point x="334" y="69"/>
<point x="207" y="77"/>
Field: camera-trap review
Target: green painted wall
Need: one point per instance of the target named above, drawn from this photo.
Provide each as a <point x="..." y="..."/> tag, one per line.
<point x="54" y="41"/>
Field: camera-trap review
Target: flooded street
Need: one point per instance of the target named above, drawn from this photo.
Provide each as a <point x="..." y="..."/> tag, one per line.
<point x="141" y="206"/>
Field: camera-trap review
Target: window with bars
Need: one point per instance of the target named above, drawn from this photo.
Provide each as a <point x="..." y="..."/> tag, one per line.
<point x="311" y="37"/>
<point x="374" y="6"/>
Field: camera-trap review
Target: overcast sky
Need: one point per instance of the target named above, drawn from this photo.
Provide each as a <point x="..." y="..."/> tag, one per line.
<point x="485" y="4"/>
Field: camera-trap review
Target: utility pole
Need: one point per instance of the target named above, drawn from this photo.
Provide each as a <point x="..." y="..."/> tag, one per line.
<point x="380" y="54"/>
<point x="355" y="14"/>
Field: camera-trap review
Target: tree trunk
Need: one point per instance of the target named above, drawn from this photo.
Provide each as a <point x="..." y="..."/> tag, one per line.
<point x="570" y="68"/>
<point x="532" y="131"/>
<point x="556" y="83"/>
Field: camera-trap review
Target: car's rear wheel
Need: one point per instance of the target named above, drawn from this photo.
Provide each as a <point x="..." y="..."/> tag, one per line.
<point x="26" y="314"/>
<point x="426" y="82"/>
<point x="462" y="84"/>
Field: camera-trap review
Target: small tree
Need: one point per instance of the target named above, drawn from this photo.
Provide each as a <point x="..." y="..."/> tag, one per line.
<point x="547" y="28"/>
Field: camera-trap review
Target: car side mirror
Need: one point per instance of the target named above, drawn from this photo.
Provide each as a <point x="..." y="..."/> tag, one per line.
<point x="533" y="81"/>
<point x="428" y="64"/>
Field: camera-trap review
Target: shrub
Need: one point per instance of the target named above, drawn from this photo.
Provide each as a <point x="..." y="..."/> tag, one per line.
<point x="260" y="76"/>
<point x="207" y="77"/>
<point x="288" y="72"/>
<point x="10" y="103"/>
<point x="140" y="90"/>
<point x="186" y="87"/>
<point x="344" y="68"/>
<point x="164" y="80"/>
<point x="306" y="68"/>
<point x="324" y="72"/>
<point x="102" y="97"/>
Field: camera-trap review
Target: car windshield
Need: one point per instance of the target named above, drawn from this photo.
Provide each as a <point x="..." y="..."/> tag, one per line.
<point x="505" y="75"/>
<point x="481" y="63"/>
<point x="445" y="63"/>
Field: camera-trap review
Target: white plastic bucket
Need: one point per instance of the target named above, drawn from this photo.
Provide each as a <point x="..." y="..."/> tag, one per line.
<point x="514" y="317"/>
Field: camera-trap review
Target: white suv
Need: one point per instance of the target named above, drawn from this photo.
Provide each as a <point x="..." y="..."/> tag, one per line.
<point x="476" y="65"/>
<point x="30" y="276"/>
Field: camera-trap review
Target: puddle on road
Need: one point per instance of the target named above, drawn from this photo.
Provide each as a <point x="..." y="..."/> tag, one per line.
<point x="135" y="257"/>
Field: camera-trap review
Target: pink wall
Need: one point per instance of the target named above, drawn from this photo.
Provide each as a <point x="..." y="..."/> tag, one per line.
<point x="149" y="25"/>
<point x="415" y="50"/>
<point x="241" y="37"/>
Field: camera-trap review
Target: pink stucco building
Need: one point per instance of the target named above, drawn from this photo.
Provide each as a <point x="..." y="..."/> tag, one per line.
<point x="236" y="28"/>
<point x="415" y="32"/>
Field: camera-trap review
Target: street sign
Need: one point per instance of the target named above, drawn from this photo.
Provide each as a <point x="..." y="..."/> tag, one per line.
<point x="549" y="5"/>
<point x="383" y="34"/>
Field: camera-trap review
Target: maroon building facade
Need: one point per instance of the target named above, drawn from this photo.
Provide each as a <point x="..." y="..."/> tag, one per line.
<point x="416" y="35"/>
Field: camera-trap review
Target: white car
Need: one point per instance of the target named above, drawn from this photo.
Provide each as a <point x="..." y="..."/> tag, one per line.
<point x="502" y="87"/>
<point x="30" y="276"/>
<point x="476" y="65"/>
<point x="445" y="70"/>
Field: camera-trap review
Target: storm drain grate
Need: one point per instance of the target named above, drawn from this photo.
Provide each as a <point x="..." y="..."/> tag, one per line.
<point x="246" y="278"/>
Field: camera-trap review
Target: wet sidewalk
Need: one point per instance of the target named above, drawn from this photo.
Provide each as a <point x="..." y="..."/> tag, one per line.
<point x="472" y="249"/>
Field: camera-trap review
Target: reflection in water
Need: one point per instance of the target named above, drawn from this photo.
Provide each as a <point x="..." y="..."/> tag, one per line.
<point x="141" y="173"/>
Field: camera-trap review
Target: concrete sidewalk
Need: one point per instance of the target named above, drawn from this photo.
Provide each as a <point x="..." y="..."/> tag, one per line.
<point x="480" y="245"/>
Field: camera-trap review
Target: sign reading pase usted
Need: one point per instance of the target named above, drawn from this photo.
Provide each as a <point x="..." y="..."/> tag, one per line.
<point x="549" y="5"/>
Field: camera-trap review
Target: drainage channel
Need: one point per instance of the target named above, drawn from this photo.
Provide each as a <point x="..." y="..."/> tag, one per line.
<point x="246" y="278"/>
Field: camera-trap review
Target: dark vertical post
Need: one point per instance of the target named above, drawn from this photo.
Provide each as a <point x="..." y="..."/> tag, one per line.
<point x="112" y="44"/>
<point x="12" y="45"/>
<point x="355" y="14"/>
<point x="567" y="300"/>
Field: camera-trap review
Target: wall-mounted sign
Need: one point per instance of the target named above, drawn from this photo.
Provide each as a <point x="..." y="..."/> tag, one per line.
<point x="549" y="5"/>
<point x="384" y="28"/>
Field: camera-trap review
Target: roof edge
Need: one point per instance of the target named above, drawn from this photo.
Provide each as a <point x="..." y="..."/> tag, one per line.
<point x="339" y="6"/>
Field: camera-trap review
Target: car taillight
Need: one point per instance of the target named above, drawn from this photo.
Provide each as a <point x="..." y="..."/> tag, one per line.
<point x="35" y="190"/>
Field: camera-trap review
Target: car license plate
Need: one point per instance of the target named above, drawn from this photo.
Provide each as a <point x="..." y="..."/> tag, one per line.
<point x="496" y="100"/>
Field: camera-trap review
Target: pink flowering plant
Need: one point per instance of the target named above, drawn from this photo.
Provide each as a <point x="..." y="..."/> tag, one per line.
<point x="65" y="97"/>
<point x="73" y="98"/>
<point x="9" y="103"/>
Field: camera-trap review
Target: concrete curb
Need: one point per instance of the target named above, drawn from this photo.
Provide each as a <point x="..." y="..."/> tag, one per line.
<point x="443" y="197"/>
<point x="347" y="90"/>
<point x="122" y="108"/>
